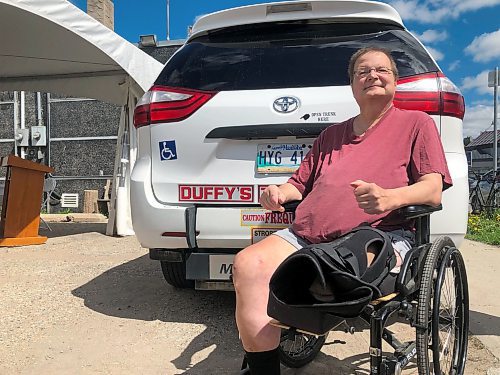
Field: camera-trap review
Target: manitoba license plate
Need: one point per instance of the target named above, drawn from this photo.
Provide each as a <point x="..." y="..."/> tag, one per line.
<point x="280" y="157"/>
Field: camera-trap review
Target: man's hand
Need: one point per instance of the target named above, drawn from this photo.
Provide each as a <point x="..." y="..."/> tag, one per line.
<point x="272" y="199"/>
<point x="372" y="198"/>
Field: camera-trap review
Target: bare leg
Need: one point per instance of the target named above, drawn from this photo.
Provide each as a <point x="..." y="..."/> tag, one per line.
<point x="371" y="254"/>
<point x="252" y="270"/>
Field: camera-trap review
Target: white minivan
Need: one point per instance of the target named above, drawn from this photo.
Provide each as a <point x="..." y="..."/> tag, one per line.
<point x="238" y="106"/>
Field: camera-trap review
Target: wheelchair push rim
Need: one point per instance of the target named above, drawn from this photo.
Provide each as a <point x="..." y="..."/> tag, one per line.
<point x="450" y="319"/>
<point x="443" y="312"/>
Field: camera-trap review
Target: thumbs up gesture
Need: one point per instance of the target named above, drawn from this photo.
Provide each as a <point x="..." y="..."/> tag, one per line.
<point x="372" y="198"/>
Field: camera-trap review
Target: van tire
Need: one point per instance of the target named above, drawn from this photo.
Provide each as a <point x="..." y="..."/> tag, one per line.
<point x="175" y="274"/>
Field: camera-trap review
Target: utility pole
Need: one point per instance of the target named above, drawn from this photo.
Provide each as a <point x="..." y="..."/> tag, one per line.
<point x="168" y="19"/>
<point x="493" y="82"/>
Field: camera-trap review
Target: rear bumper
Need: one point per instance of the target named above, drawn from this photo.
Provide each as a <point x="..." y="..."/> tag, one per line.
<point x="209" y="267"/>
<point x="200" y="266"/>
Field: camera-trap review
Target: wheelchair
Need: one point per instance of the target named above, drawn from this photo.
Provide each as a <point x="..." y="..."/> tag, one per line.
<point x="431" y="294"/>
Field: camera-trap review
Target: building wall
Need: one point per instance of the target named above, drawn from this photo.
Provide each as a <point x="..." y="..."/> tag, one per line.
<point x="13" y="116"/>
<point x="481" y="162"/>
<point x="164" y="50"/>
<point x="82" y="144"/>
<point x="6" y="126"/>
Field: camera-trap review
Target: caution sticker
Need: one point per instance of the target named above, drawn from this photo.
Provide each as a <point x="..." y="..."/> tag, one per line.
<point x="264" y="218"/>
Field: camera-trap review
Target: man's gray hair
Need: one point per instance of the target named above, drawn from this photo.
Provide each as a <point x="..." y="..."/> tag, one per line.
<point x="365" y="50"/>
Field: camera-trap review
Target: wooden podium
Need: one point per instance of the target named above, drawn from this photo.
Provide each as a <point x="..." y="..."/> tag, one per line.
<point x="20" y="218"/>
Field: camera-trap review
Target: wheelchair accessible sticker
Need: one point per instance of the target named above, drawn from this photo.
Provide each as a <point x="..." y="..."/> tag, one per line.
<point x="168" y="150"/>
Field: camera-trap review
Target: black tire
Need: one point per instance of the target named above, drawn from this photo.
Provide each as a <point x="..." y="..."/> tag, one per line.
<point x="443" y="311"/>
<point x="175" y="274"/>
<point x="300" y="350"/>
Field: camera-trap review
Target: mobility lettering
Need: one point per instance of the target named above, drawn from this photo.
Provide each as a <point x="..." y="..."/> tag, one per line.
<point x="226" y="269"/>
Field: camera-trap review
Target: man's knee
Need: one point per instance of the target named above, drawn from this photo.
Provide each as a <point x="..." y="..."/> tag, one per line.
<point x="245" y="264"/>
<point x="256" y="263"/>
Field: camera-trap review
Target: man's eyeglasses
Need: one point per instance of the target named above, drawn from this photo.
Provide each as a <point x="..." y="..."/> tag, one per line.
<point x="364" y="72"/>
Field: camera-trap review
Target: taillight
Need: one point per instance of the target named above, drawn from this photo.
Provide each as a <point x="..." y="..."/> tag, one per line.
<point x="432" y="93"/>
<point x="168" y="104"/>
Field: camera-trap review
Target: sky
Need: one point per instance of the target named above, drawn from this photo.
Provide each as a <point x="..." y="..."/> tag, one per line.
<point x="463" y="36"/>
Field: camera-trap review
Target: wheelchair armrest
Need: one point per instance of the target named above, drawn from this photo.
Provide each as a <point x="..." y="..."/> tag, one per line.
<point x="408" y="212"/>
<point x="412" y="212"/>
<point x="291" y="206"/>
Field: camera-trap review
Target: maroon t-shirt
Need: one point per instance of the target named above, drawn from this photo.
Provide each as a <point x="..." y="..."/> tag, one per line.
<point x="398" y="150"/>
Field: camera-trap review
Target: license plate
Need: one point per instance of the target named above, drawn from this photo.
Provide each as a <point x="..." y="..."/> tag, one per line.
<point x="280" y="157"/>
<point x="221" y="266"/>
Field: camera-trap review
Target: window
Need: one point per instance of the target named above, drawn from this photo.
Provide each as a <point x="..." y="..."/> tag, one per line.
<point x="270" y="56"/>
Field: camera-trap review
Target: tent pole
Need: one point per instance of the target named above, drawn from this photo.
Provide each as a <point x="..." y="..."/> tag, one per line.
<point x="111" y="227"/>
<point x="119" y="220"/>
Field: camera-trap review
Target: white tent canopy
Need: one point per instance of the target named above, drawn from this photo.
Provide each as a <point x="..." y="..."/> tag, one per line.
<point x="52" y="46"/>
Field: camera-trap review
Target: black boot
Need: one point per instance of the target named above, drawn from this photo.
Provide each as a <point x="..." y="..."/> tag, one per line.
<point x="264" y="363"/>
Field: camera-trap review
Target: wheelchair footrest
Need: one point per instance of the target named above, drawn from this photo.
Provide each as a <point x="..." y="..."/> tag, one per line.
<point x="385" y="298"/>
<point x="278" y="324"/>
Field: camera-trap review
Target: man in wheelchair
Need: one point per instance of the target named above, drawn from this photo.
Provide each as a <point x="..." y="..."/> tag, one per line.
<point x="359" y="171"/>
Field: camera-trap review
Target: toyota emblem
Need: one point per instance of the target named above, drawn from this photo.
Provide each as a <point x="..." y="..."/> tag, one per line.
<point x="286" y="104"/>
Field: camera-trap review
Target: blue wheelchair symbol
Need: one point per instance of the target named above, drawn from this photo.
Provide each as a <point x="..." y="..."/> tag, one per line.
<point x="168" y="150"/>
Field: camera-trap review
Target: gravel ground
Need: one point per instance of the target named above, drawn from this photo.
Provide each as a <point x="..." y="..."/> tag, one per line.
<point x="85" y="303"/>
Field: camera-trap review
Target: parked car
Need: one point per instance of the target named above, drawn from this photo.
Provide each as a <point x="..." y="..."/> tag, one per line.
<point x="237" y="108"/>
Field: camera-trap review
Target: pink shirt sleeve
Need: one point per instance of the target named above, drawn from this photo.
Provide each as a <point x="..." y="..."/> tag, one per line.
<point x="427" y="154"/>
<point x="303" y="177"/>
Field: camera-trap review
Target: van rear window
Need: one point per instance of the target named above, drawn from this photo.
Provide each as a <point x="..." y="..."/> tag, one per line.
<point x="272" y="56"/>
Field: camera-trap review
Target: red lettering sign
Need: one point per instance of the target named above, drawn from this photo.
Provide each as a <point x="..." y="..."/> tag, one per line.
<point x="216" y="193"/>
<point x="261" y="189"/>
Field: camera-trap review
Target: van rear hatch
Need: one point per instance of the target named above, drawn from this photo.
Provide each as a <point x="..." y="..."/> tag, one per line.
<point x="230" y="88"/>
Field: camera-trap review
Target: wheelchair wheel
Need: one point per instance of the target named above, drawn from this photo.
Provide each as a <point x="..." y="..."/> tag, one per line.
<point x="443" y="311"/>
<point x="300" y="350"/>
